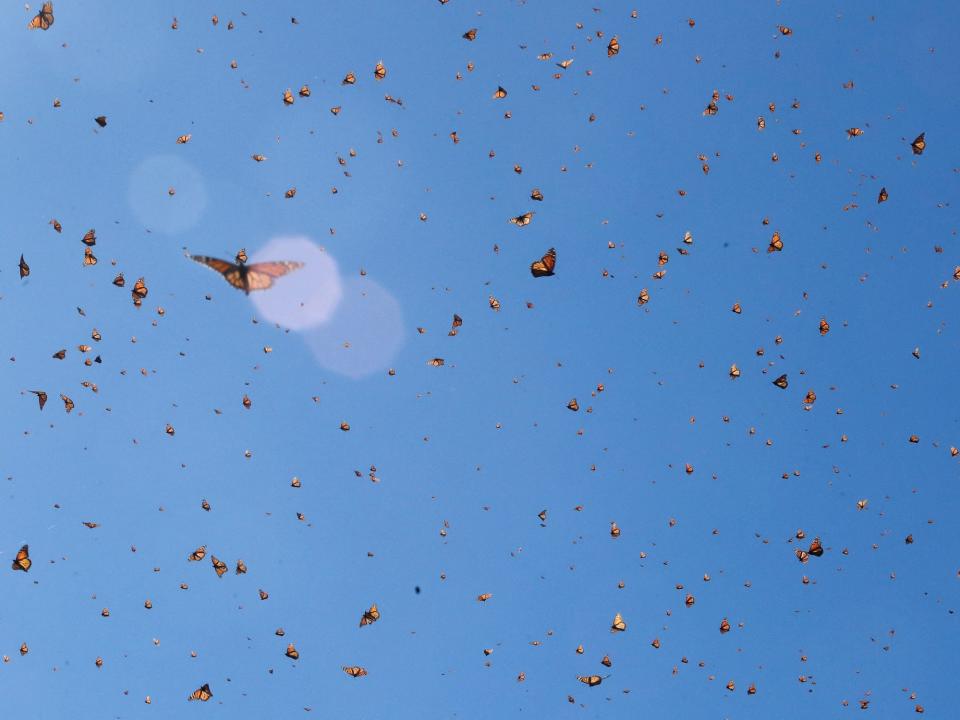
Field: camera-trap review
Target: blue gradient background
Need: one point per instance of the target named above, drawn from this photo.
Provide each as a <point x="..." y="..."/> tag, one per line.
<point x="870" y="270"/>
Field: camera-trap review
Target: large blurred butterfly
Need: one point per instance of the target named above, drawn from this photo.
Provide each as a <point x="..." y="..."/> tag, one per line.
<point x="258" y="276"/>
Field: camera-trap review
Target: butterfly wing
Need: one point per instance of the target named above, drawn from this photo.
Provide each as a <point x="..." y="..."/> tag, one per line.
<point x="260" y="276"/>
<point x="231" y="272"/>
<point x="545" y="265"/>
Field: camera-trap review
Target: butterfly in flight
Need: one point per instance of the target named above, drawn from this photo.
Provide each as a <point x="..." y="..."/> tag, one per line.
<point x="43" y="19"/>
<point x="258" y="276"/>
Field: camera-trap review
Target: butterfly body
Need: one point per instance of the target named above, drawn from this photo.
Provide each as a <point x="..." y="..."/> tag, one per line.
<point x="258" y="276"/>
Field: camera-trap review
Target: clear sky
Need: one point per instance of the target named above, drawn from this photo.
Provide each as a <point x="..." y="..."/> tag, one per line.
<point x="431" y="498"/>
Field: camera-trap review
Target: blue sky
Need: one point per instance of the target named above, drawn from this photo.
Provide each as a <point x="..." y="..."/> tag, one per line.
<point x="484" y="442"/>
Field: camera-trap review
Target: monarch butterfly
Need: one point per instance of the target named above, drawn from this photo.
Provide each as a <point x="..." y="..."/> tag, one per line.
<point x="354" y="671"/>
<point x="663" y="258"/>
<point x="494" y="304"/>
<point x="784" y="30"/>
<point x="573" y="405"/>
<point x="43" y="19"/>
<point x="457" y="322"/>
<point x="724" y="626"/>
<point x="618" y="625"/>
<point x="60" y="354"/>
<point x="380" y="71"/>
<point x="816" y="549"/>
<point x="370" y="616"/>
<point x="67" y="403"/>
<point x="535" y="194"/>
<point x="304" y="91"/>
<point x="545" y="265"/>
<point x="781" y="382"/>
<point x="606" y="661"/>
<point x="218" y="565"/>
<point x="644" y="297"/>
<point x="883" y="196"/>
<point x="202" y="693"/>
<point x="761" y="123"/>
<point x="287" y="97"/>
<point x="918" y="145"/>
<point x="292" y="652"/>
<point x="184" y="139"/>
<point x="776" y="244"/>
<point x="41" y="397"/>
<point x="56" y="225"/>
<point x="241" y="568"/>
<point x="264" y="595"/>
<point x="564" y="64"/>
<point x="736" y="308"/>
<point x="545" y="56"/>
<point x="484" y="597"/>
<point x="23" y="561"/>
<point x="542" y="515"/>
<point x="470" y="34"/>
<point x="336" y="110"/>
<point x="590" y="680"/>
<point x="810" y="398"/>
<point x="24" y="268"/>
<point x="349" y="79"/>
<point x="101" y="120"/>
<point x="199" y="554"/>
<point x="854" y="132"/>
<point x="258" y="276"/>
<point x="88" y="257"/>
<point x="500" y="93"/>
<point x="89" y="238"/>
<point x="614" y="530"/>
<point x="436" y="362"/>
<point x="613" y="47"/>
<point x="522" y="220"/>
<point x="139" y="289"/>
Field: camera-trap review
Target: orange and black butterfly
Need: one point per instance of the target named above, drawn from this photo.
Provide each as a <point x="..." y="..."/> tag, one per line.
<point x="349" y="79"/>
<point x="41" y="397"/>
<point x="776" y="244"/>
<point x="522" y="220"/>
<point x="918" y="145"/>
<point x="816" y="549"/>
<point x="500" y="93"/>
<point x="535" y="194"/>
<point x="883" y="196"/>
<point x="23" y="561"/>
<point x="218" y="565"/>
<point x="590" y="680"/>
<point x="354" y="670"/>
<point x="470" y="34"/>
<point x="545" y="265"/>
<point x="44" y="18"/>
<point x="614" y="47"/>
<point x="781" y="382"/>
<point x="380" y="71"/>
<point x="258" y="276"/>
<point x="202" y="693"/>
<point x="198" y="554"/>
<point x="370" y="616"/>
<point x="24" y="268"/>
<point x="67" y="403"/>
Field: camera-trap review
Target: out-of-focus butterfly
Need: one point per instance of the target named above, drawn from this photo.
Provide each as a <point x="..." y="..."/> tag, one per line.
<point x="918" y="145"/>
<point x="202" y="693"/>
<point x="781" y="382"/>
<point x="500" y="93"/>
<point x="23" y="561"/>
<point x="545" y="265"/>
<point x="67" y="403"/>
<point x="883" y="196"/>
<point x="287" y="97"/>
<point x="199" y="554"/>
<point x="522" y="220"/>
<point x="354" y="670"/>
<point x="470" y="34"/>
<point x="292" y="652"/>
<point x="776" y="244"/>
<point x="349" y="79"/>
<point x="101" y="120"/>
<point x="618" y="625"/>
<point x="370" y="616"/>
<point x="41" y="397"/>
<point x="43" y="19"/>
<point x="380" y="71"/>
<point x="535" y="194"/>
<point x="590" y="680"/>
<point x="258" y="276"/>
<point x="24" y="268"/>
